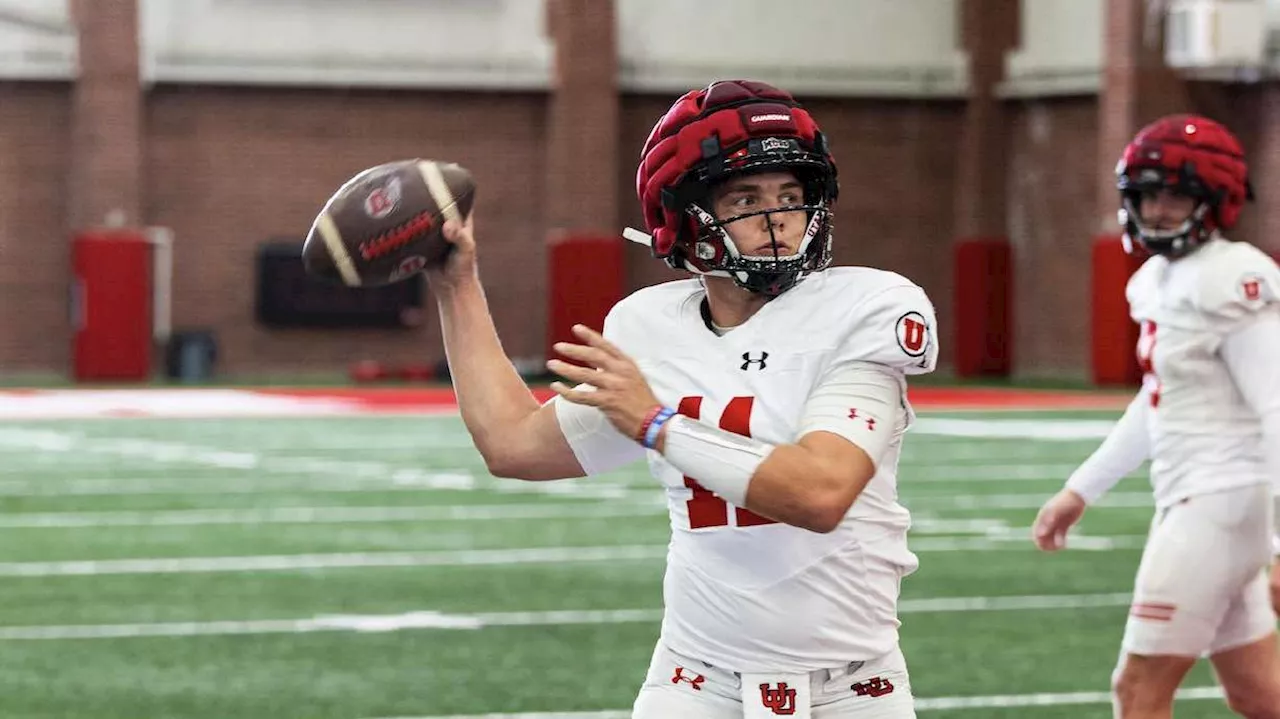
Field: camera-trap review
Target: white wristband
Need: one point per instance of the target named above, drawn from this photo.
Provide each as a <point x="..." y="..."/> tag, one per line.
<point x="720" y="461"/>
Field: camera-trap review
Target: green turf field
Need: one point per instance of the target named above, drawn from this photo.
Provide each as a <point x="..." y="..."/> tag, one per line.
<point x="368" y="567"/>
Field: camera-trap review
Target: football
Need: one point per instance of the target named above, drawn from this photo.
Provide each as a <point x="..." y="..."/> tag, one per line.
<point x="385" y="224"/>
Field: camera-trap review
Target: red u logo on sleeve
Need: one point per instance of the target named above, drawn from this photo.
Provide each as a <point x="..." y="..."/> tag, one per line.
<point x="913" y="334"/>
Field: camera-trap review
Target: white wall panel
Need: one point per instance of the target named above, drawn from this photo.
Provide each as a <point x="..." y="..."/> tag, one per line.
<point x="36" y="40"/>
<point x="1061" y="48"/>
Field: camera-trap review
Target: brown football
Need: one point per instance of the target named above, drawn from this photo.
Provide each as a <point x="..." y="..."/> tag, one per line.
<point x="384" y="224"/>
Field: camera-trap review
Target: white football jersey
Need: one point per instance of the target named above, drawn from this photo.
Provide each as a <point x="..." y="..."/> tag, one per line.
<point x="1204" y="436"/>
<point x="743" y="592"/>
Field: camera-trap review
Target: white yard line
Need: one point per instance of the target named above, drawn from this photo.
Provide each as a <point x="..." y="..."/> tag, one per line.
<point x="653" y="506"/>
<point x="1006" y="472"/>
<point x="62" y="445"/>
<point x="351" y="560"/>
<point x="1014" y="542"/>
<point x="1022" y="500"/>
<point x="331" y="515"/>
<point x="476" y="557"/>
<point x="1055" y="430"/>
<point x="448" y="621"/>
<point x="921" y="704"/>
<point x="423" y="482"/>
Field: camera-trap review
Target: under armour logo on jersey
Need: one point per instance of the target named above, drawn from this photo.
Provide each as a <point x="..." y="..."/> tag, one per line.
<point x="876" y="687"/>
<point x="782" y="701"/>
<point x="748" y="360"/>
<point x="695" y="681"/>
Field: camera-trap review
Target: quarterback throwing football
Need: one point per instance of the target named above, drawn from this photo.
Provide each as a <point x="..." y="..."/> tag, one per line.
<point x="768" y="393"/>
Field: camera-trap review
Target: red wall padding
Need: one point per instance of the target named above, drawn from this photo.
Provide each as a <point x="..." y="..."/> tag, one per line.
<point x="983" y="311"/>
<point x="111" y="306"/>
<point x="1115" y="334"/>
<point x="586" y="280"/>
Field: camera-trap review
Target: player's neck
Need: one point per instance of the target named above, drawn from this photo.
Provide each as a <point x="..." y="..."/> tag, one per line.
<point x="729" y="304"/>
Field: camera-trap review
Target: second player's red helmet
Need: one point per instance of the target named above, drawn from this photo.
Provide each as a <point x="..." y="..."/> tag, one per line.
<point x="1190" y="155"/>
<point x="725" y="129"/>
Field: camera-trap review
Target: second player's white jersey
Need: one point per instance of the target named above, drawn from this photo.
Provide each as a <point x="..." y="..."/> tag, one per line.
<point x="741" y="591"/>
<point x="1204" y="436"/>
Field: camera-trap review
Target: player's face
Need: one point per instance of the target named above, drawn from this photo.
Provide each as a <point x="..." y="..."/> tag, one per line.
<point x="1165" y="210"/>
<point x="764" y="191"/>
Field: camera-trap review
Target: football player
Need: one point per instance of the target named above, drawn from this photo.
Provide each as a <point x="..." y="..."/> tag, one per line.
<point x="768" y="393"/>
<point x="1208" y="418"/>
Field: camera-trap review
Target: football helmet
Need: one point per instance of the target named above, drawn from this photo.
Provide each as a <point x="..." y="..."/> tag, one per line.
<point x="1189" y="155"/>
<point x="728" y="129"/>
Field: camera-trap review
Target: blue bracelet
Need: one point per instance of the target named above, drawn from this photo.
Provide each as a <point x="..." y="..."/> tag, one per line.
<point x="651" y="434"/>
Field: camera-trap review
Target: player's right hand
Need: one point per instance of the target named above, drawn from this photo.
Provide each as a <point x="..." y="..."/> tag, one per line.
<point x="461" y="263"/>
<point x="1057" y="516"/>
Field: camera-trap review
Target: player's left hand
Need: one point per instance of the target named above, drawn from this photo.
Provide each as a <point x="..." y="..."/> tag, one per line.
<point x="1275" y="585"/>
<point x="1055" y="518"/>
<point x="621" y="391"/>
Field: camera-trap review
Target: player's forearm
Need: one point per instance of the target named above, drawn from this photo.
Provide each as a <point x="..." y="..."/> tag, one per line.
<point x="1126" y="447"/>
<point x="790" y="483"/>
<point x="492" y="397"/>
<point x="797" y="486"/>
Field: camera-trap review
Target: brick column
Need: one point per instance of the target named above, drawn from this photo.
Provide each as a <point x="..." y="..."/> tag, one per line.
<point x="584" y="244"/>
<point x="1136" y="88"/>
<point x="106" y="137"/>
<point x="582" y="127"/>
<point x="990" y="30"/>
<point x="982" y="259"/>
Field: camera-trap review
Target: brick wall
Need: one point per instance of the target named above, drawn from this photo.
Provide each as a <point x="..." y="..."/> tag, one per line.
<point x="230" y="167"/>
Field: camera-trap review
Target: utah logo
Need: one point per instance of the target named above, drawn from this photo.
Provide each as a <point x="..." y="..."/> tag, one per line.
<point x="913" y="334"/>
<point x="781" y="701"/>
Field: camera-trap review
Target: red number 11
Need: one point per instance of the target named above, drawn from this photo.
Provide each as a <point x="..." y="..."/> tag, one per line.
<point x="705" y="508"/>
<point x="1146" y="357"/>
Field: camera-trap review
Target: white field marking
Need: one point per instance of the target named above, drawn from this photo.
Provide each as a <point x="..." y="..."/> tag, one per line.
<point x="75" y="444"/>
<point x="443" y="620"/>
<point x="112" y="404"/>
<point x="1007" y="604"/>
<point x="1013" y="542"/>
<point x="1047" y="700"/>
<point x="1011" y="472"/>
<point x="345" y="560"/>
<point x="477" y="557"/>
<point x="1125" y="500"/>
<point x="330" y="515"/>
<point x="431" y="482"/>
<point x="937" y="525"/>
<point x="617" y="714"/>
<point x="655" y="507"/>
<point x="1060" y="430"/>
<point x="409" y="481"/>
<point x="374" y="475"/>
<point x="927" y="452"/>
<point x="921" y="704"/>
<point x="409" y="439"/>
